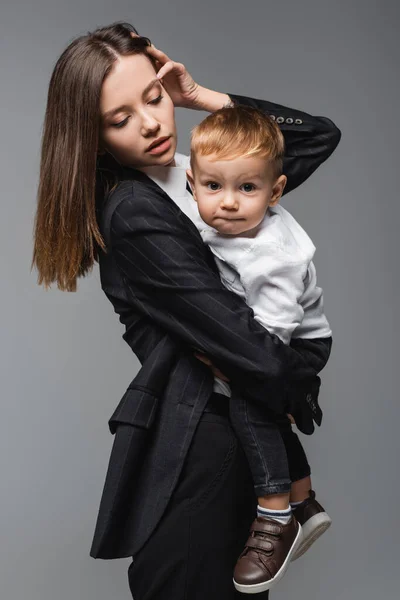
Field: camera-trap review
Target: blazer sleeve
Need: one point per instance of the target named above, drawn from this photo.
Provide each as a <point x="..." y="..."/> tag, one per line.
<point x="309" y="140"/>
<point x="168" y="278"/>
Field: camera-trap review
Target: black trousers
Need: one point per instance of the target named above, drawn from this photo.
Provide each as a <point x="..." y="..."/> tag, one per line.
<point x="192" y="552"/>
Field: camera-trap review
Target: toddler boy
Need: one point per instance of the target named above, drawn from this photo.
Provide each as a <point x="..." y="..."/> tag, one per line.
<point x="265" y="256"/>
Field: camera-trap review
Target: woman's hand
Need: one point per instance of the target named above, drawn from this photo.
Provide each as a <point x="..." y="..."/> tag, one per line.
<point x="208" y="362"/>
<point x="180" y="85"/>
<point x="218" y="373"/>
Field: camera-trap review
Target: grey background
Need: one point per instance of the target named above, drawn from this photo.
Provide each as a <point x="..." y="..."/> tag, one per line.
<point x="63" y="363"/>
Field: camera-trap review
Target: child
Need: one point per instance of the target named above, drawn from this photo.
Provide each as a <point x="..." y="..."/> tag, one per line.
<point x="264" y="255"/>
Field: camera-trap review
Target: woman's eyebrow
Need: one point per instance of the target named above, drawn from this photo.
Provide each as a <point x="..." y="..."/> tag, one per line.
<point x="150" y="85"/>
<point x="114" y="111"/>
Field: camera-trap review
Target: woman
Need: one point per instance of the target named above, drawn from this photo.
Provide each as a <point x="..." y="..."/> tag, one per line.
<point x="170" y="498"/>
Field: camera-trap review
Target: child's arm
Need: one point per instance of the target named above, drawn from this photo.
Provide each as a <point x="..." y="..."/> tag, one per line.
<point x="273" y="282"/>
<point x="314" y="324"/>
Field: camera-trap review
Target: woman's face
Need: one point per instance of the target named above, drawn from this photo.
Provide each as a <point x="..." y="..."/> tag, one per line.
<point x="136" y="112"/>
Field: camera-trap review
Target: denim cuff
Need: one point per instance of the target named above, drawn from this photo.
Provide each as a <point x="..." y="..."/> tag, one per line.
<point x="268" y="490"/>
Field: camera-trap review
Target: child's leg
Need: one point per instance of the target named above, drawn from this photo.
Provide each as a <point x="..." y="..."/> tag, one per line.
<point x="265" y="450"/>
<point x="300" y="490"/>
<point x="308" y="512"/>
<point x="275" y="501"/>
<point x="275" y="535"/>
<point x="299" y="468"/>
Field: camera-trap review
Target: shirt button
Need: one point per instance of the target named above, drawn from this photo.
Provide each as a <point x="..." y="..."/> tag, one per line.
<point x="280" y="120"/>
<point x="298" y="122"/>
<point x="289" y="120"/>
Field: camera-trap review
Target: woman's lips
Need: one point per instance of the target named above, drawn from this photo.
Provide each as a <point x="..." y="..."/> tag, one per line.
<point x="161" y="148"/>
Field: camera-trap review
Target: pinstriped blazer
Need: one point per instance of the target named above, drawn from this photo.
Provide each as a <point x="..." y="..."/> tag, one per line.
<point x="165" y="287"/>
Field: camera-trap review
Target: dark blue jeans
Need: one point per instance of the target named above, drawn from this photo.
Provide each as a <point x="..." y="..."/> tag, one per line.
<point x="274" y="452"/>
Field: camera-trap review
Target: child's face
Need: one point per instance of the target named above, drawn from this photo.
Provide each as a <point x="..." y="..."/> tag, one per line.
<point x="233" y="195"/>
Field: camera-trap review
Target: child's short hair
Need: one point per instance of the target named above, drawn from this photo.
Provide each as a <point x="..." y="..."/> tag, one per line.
<point x="238" y="131"/>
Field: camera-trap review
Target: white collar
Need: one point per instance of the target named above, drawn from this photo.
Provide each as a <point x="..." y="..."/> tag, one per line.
<point x="170" y="179"/>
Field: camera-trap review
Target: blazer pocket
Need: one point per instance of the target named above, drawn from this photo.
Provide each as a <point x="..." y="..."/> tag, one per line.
<point x="136" y="407"/>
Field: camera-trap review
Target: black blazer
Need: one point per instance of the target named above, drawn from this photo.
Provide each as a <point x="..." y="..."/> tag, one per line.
<point x="164" y="285"/>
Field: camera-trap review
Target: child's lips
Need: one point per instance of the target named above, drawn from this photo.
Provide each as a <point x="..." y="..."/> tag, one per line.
<point x="231" y="219"/>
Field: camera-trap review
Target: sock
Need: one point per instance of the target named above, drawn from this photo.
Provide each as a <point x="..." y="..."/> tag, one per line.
<point x="296" y="504"/>
<point x="282" y="516"/>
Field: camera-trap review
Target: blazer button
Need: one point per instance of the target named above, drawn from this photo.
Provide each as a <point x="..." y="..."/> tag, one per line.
<point x="280" y="120"/>
<point x="298" y="121"/>
<point x="289" y="121"/>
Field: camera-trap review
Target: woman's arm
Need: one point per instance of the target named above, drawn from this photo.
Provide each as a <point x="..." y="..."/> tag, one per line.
<point x="309" y="140"/>
<point x="166" y="271"/>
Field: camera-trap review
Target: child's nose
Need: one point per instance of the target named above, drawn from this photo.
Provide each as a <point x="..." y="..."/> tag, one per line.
<point x="229" y="201"/>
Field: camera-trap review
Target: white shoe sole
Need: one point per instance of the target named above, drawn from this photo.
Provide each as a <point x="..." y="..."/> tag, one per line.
<point x="312" y="530"/>
<point x="256" y="588"/>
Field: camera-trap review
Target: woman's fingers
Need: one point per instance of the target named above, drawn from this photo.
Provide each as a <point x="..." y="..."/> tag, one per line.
<point x="291" y="419"/>
<point x="155" y="52"/>
<point x="203" y="359"/>
<point x="219" y="374"/>
<point x="165" y="69"/>
<point x="208" y="362"/>
<point x="158" y="54"/>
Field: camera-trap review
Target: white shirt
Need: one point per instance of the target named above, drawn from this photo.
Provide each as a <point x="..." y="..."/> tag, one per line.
<point x="272" y="270"/>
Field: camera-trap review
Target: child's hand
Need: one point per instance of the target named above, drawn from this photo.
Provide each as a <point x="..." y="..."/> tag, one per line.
<point x="208" y="362"/>
<point x="291" y="419"/>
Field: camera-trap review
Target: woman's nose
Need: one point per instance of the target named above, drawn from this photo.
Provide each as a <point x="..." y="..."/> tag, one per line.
<point x="149" y="124"/>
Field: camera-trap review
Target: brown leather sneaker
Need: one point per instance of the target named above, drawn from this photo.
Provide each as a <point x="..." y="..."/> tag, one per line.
<point x="267" y="555"/>
<point x="314" y="522"/>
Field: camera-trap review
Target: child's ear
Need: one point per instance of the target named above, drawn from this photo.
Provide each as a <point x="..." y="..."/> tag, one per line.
<point x="190" y="178"/>
<point x="277" y="190"/>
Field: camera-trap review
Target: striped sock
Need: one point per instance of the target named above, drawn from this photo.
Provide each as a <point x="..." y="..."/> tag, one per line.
<point x="296" y="504"/>
<point x="282" y="516"/>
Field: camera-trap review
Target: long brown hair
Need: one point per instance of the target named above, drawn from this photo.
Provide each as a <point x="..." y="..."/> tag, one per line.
<point x="67" y="239"/>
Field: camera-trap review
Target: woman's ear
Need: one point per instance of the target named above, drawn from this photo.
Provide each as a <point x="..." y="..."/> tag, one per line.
<point x="277" y="190"/>
<point x="190" y="178"/>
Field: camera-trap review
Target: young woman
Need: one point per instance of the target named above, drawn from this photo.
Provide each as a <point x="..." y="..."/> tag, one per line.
<point x="170" y="498"/>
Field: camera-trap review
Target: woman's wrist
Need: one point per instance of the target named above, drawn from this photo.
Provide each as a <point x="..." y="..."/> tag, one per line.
<point x="210" y="100"/>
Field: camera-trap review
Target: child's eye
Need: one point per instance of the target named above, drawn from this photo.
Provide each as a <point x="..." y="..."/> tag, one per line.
<point x="120" y="124"/>
<point x="156" y="100"/>
<point x="248" y="187"/>
<point x="213" y="186"/>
